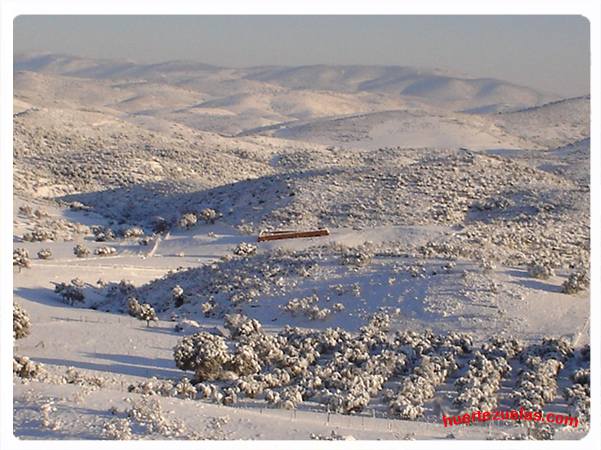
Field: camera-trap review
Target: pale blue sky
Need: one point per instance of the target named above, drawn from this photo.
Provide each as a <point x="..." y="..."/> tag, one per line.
<point x="550" y="53"/>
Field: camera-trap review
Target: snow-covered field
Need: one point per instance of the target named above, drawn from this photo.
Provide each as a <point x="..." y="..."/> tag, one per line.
<point x="454" y="277"/>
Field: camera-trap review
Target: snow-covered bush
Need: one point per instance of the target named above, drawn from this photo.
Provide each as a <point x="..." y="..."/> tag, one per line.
<point x="187" y="326"/>
<point x="105" y="251"/>
<point x="152" y="386"/>
<point x="541" y="271"/>
<point x="208" y="308"/>
<point x="23" y="367"/>
<point x="40" y="235"/>
<point x="142" y="311"/>
<point x="187" y="220"/>
<point x="177" y="294"/>
<point x="477" y="389"/>
<point x="241" y="325"/>
<point x="160" y="225"/>
<point x="21" y="258"/>
<point x="204" y="353"/>
<point x="245" y="249"/>
<point x="103" y="234"/>
<point x="81" y="251"/>
<point x="47" y="422"/>
<point x="537" y="383"/>
<point x="307" y="306"/>
<point x="184" y="389"/>
<point x="148" y="413"/>
<point x="21" y="322"/>
<point x="117" y="429"/>
<point x="578" y="395"/>
<point x="71" y="293"/>
<point x="245" y="361"/>
<point x="209" y="215"/>
<point x="359" y="256"/>
<point x="577" y="281"/>
<point x="45" y="253"/>
<point x="133" y="232"/>
<point x="333" y="436"/>
<point x="74" y="376"/>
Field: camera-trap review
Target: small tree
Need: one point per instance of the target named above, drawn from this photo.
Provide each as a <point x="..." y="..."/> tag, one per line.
<point x="141" y="311"/>
<point x="21" y="322"/>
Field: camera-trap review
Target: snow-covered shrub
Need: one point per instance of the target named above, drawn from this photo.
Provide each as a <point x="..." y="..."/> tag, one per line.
<point x="338" y="307"/>
<point x="577" y="281"/>
<point x="541" y="271"/>
<point x="160" y="225"/>
<point x="40" y="235"/>
<point x="540" y="432"/>
<point x="579" y="401"/>
<point x="177" y="294"/>
<point x="45" y="253"/>
<point x="205" y="353"/>
<point x="124" y="289"/>
<point x="487" y="264"/>
<point x="117" y="429"/>
<point x="209" y="215"/>
<point x="47" y="422"/>
<point x="133" y="232"/>
<point x="359" y="256"/>
<point x="208" y="308"/>
<point x="245" y="249"/>
<point x="477" y="389"/>
<point x="241" y="325"/>
<point x="105" y="251"/>
<point x="245" y="361"/>
<point x="23" y="367"/>
<point x="74" y="376"/>
<point x="506" y="347"/>
<point x="537" y="383"/>
<point x="142" y="311"/>
<point x="81" y="251"/>
<point x="152" y="386"/>
<point x="578" y="395"/>
<point x="184" y="389"/>
<point x="148" y="413"/>
<point x="187" y="326"/>
<point x="21" y="258"/>
<point x="307" y="306"/>
<point x="21" y="322"/>
<point x="187" y="220"/>
<point x="333" y="436"/>
<point x="71" y="293"/>
<point x="343" y="289"/>
<point x="581" y="376"/>
<point x="103" y="234"/>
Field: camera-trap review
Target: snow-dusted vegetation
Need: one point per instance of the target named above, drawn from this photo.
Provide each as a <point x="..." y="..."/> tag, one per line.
<point x="454" y="277"/>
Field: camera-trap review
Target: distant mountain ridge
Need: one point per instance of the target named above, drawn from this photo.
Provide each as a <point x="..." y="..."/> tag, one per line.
<point x="430" y="86"/>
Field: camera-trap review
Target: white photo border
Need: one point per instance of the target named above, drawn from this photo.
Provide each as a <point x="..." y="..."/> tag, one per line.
<point x="10" y="9"/>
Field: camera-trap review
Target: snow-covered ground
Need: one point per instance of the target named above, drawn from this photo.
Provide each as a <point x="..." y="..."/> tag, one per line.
<point x="440" y="221"/>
